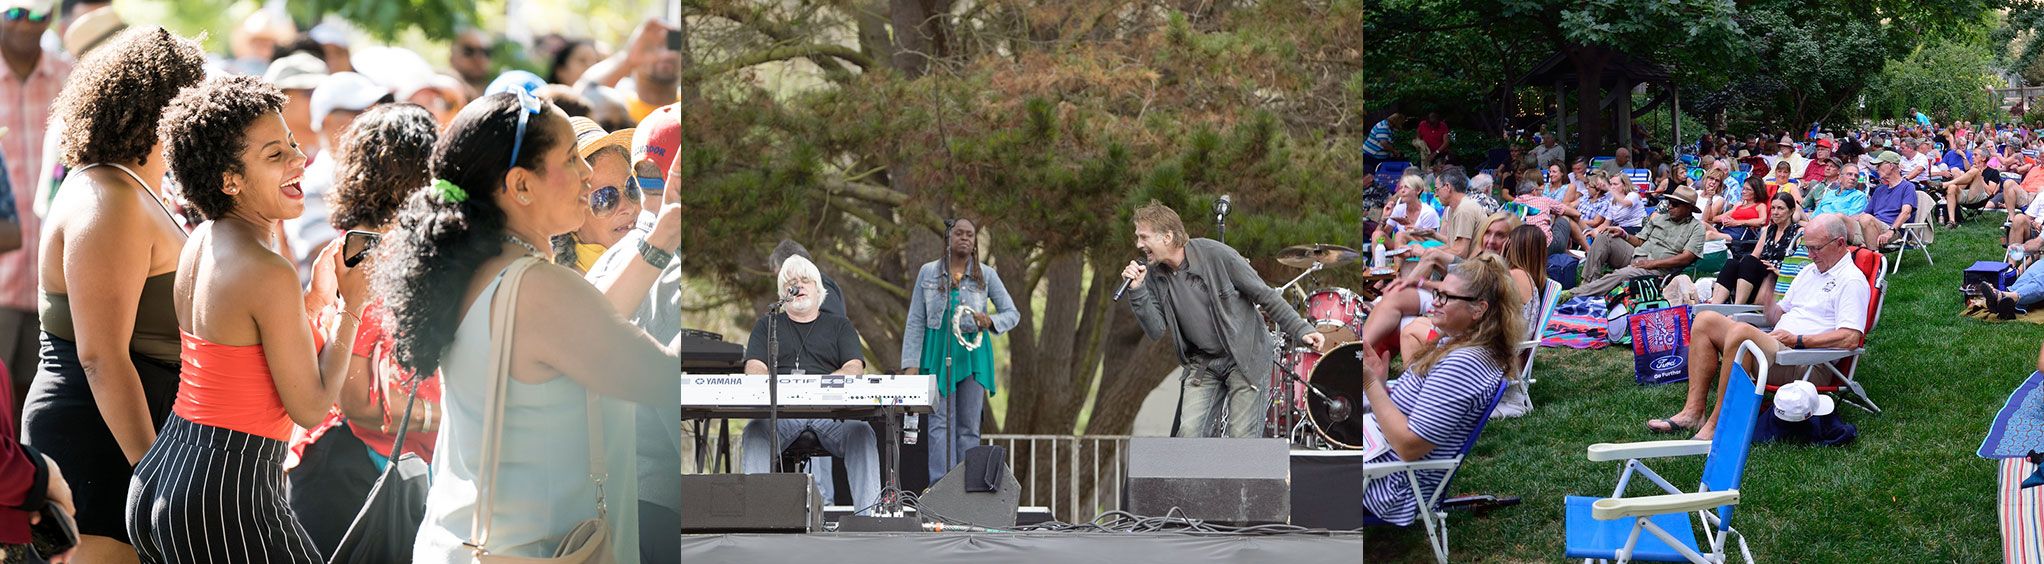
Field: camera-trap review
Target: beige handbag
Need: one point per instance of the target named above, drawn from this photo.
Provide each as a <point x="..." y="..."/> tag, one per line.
<point x="589" y="541"/>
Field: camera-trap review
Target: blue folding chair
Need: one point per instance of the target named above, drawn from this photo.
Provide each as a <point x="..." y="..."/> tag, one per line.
<point x="1388" y="172"/>
<point x="1604" y="529"/>
<point x="1432" y="516"/>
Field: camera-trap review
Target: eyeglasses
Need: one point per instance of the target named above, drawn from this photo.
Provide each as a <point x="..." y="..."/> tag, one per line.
<point x="18" y="14"/>
<point x="1468" y="299"/>
<point x="603" y="201"/>
<point x="473" y="51"/>
<point x="528" y="106"/>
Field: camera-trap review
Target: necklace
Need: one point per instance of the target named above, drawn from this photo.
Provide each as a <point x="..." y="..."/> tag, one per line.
<point x="534" y="251"/>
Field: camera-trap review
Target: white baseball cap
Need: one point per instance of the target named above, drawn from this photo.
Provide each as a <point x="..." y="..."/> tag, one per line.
<point x="344" y="91"/>
<point x="1799" y="400"/>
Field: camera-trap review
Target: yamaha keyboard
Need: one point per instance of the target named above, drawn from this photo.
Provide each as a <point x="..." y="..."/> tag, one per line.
<point x="742" y="396"/>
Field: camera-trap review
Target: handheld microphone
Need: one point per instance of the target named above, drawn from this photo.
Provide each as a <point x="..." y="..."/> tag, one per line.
<point x="1124" y="284"/>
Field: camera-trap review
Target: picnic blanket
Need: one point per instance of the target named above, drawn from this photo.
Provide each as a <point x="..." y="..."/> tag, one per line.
<point x="2019" y="427"/>
<point x="1978" y="310"/>
<point x="1578" y="324"/>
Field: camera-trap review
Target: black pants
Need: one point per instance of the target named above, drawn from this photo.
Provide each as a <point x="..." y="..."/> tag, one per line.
<point x="1743" y="267"/>
<point x="206" y="494"/>
<point x="330" y="484"/>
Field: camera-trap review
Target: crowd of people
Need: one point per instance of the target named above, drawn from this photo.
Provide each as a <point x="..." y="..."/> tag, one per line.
<point x="231" y="282"/>
<point x="1790" y="223"/>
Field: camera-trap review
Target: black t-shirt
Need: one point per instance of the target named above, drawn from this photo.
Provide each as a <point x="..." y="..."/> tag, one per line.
<point x="817" y="347"/>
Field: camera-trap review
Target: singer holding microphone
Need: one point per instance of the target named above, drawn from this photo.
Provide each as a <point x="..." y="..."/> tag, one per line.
<point x="949" y="325"/>
<point x="1202" y="295"/>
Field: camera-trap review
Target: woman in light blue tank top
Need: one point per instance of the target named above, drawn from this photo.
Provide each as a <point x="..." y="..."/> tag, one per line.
<point x="507" y="180"/>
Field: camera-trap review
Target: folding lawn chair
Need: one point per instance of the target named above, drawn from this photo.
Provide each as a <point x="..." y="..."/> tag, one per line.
<point x="1432" y="516"/>
<point x="1532" y="343"/>
<point x="1604" y="529"/>
<point x="1841" y="363"/>
<point x="1917" y="233"/>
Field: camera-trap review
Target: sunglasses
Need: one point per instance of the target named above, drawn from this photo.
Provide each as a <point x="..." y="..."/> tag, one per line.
<point x="473" y="51"/>
<point x="603" y="201"/>
<point x="528" y="106"/>
<point x="18" y="14"/>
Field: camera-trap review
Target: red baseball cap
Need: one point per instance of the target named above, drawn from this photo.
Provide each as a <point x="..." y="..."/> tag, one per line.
<point x="659" y="137"/>
<point x="1826" y="143"/>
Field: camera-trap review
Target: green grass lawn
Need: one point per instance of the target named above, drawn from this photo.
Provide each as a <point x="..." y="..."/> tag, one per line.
<point x="1909" y="490"/>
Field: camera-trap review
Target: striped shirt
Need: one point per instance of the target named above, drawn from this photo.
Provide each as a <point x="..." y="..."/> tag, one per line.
<point x="1376" y="145"/>
<point x="25" y="110"/>
<point x="1443" y="406"/>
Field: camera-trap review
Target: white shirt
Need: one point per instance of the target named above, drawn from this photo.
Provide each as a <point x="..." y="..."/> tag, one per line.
<point x="1819" y="301"/>
<point x="1429" y="219"/>
<point x="1917" y="168"/>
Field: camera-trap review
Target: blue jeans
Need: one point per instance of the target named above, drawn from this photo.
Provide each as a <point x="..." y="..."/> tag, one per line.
<point x="971" y="399"/>
<point x="2029" y="287"/>
<point x="851" y="440"/>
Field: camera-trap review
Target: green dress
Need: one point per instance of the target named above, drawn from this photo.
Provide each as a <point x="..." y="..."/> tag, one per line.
<point x="939" y="343"/>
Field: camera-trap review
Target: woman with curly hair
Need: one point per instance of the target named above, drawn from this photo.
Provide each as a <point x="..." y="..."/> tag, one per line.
<point x="212" y="487"/>
<point x="508" y="179"/>
<point x="380" y="160"/>
<point x="109" y="366"/>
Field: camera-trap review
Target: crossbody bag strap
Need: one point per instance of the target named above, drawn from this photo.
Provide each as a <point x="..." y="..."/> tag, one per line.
<point x="503" y="307"/>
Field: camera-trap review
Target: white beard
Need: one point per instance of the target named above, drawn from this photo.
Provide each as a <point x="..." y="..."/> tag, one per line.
<point x="805" y="305"/>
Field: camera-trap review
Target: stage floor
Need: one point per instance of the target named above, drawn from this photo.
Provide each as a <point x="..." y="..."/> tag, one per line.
<point x="1021" y="548"/>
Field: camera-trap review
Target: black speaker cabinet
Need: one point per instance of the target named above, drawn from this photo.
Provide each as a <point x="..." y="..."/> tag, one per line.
<point x="750" y="503"/>
<point x="994" y="509"/>
<point x="1229" y="481"/>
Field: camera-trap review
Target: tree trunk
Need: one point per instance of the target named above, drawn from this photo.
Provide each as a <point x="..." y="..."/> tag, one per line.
<point x="1589" y="61"/>
<point x="920" y="34"/>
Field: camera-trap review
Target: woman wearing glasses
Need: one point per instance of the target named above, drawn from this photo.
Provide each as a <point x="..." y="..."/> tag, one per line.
<point x="508" y="179"/>
<point x="1447" y="389"/>
<point x="614" y="201"/>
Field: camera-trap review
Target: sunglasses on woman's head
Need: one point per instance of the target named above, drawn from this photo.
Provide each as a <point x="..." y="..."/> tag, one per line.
<point x="528" y="106"/>
<point x="607" y="199"/>
<point x="18" y="14"/>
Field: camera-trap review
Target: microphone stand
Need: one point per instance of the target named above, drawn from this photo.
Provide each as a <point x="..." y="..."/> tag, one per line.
<point x="774" y="379"/>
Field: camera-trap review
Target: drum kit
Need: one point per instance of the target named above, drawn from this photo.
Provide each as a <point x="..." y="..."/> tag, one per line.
<point x="1317" y="395"/>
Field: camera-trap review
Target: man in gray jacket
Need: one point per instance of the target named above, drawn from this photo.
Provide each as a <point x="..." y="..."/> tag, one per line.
<point x="1204" y="300"/>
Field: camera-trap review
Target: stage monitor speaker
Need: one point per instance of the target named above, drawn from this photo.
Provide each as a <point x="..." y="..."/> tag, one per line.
<point x="995" y="509"/>
<point x="750" y="503"/>
<point x="1228" y="481"/>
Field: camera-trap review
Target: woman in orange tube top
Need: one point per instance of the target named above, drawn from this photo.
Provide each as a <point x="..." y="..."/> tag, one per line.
<point x="212" y="487"/>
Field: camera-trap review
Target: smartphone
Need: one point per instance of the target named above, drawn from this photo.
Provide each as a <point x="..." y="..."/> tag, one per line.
<point x="356" y="244"/>
<point x="674" y="40"/>
<point x="55" y="534"/>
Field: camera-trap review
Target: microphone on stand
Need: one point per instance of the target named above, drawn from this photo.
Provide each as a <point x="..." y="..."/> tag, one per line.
<point x="1221" y="207"/>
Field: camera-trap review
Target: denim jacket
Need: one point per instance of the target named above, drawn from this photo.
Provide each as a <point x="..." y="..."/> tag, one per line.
<point x="926" y="306"/>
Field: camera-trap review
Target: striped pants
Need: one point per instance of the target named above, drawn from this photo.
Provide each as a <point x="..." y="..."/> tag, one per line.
<point x="206" y="494"/>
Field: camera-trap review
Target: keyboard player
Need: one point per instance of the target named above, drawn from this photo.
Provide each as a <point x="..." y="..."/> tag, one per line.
<point x="812" y="342"/>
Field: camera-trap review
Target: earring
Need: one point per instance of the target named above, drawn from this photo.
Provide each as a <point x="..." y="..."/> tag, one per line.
<point x="231" y="190"/>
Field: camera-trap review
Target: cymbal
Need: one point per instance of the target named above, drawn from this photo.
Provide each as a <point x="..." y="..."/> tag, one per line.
<point x="1303" y="256"/>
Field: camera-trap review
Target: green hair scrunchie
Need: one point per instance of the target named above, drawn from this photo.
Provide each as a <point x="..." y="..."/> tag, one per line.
<point x="449" y="192"/>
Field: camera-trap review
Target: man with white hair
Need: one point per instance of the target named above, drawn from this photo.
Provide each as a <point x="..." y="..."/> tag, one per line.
<point x="811" y="342"/>
<point x="1825" y="307"/>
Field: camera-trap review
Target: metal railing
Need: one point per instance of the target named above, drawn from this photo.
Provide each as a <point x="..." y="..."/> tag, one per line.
<point x="1055" y="463"/>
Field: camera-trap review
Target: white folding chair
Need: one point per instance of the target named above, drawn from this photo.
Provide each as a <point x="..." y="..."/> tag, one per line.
<point x="1915" y="234"/>
<point x="1432" y="516"/>
<point x="1532" y="344"/>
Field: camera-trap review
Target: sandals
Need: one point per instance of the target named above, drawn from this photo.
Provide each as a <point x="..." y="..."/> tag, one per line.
<point x="2002" y="307"/>
<point x="1669" y="426"/>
